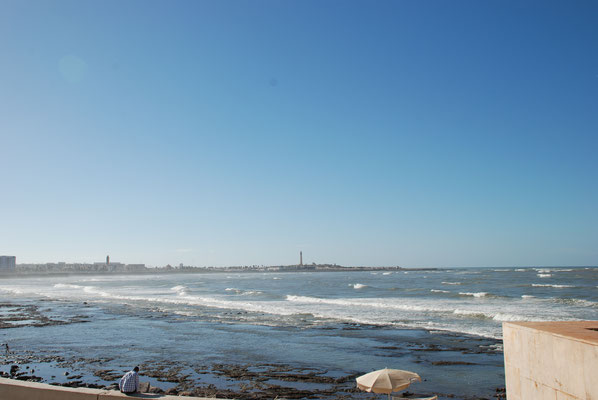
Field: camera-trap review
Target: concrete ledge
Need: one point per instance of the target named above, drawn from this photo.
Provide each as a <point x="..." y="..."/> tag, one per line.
<point x="22" y="390"/>
<point x="554" y="360"/>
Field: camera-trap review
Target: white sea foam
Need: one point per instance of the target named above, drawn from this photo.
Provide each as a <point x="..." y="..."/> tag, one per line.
<point x="11" y="290"/>
<point x="577" y="302"/>
<point x="473" y="313"/>
<point x="502" y="317"/>
<point x="477" y="294"/>
<point x="181" y="290"/>
<point x="544" y="275"/>
<point x="243" y="292"/>
<point x="549" y="285"/>
<point x="465" y="314"/>
<point x="184" y="313"/>
<point x="520" y="270"/>
<point x="67" y="286"/>
<point x="369" y="303"/>
<point x="386" y="273"/>
<point x="359" y="286"/>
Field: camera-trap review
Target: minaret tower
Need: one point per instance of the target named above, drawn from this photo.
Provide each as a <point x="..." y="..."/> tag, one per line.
<point x="300" y="258"/>
<point x="107" y="260"/>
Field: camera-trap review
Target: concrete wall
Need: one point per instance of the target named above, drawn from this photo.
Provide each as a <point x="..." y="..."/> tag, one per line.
<point x="551" y="360"/>
<point x="11" y="389"/>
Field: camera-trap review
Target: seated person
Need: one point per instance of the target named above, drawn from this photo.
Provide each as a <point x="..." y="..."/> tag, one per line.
<point x="130" y="382"/>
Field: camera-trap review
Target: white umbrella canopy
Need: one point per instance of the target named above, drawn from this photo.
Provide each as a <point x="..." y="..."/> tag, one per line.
<point x="387" y="380"/>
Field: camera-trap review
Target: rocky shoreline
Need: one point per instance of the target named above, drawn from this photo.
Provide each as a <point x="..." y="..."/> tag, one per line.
<point x="256" y="381"/>
<point x="223" y="381"/>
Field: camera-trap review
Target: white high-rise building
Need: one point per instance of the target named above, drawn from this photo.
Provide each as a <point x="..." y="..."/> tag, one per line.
<point x="8" y="263"/>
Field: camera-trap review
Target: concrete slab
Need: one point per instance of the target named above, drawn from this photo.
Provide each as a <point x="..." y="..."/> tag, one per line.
<point x="551" y="360"/>
<point x="22" y="390"/>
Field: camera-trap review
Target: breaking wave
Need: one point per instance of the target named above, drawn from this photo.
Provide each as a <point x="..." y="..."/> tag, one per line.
<point x="477" y="294"/>
<point x="67" y="286"/>
<point x="577" y="302"/>
<point x="358" y="286"/>
<point x="553" y="286"/>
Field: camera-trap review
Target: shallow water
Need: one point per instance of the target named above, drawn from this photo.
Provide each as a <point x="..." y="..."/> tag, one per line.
<point x="425" y="321"/>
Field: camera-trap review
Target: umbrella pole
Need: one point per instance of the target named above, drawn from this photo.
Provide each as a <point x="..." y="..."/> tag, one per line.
<point x="389" y="396"/>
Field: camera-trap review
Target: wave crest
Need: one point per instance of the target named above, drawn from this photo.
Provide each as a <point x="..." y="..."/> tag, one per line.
<point x="358" y="286"/>
<point x="476" y="294"/>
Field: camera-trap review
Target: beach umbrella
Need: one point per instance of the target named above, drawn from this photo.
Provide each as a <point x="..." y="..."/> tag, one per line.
<point x="387" y="380"/>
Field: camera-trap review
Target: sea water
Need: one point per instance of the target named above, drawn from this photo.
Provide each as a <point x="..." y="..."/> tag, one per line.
<point x="344" y="321"/>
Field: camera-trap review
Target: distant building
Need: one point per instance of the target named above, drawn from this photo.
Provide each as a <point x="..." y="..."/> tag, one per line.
<point x="8" y="263"/>
<point x="135" y="267"/>
<point x="300" y="258"/>
<point x="107" y="260"/>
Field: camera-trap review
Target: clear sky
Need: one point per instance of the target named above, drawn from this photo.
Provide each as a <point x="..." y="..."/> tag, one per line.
<point x="412" y="133"/>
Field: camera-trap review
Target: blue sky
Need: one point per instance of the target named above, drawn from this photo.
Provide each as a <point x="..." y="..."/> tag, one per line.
<point x="413" y="133"/>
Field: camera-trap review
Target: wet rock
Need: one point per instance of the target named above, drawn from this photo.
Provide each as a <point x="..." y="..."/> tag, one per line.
<point x="156" y="390"/>
<point x="264" y="381"/>
<point x="108" y="375"/>
<point x="28" y="378"/>
<point x="19" y="315"/>
<point x="94" y="386"/>
<point x="73" y="384"/>
<point x="501" y="393"/>
<point x="452" y="363"/>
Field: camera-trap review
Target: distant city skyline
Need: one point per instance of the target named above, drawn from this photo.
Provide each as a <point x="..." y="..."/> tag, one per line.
<point x="432" y="134"/>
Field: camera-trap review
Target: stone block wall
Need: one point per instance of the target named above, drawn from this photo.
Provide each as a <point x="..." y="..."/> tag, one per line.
<point x="551" y="360"/>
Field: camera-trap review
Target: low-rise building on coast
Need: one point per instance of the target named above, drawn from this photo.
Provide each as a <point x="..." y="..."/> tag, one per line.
<point x="117" y="267"/>
<point x="8" y="263"/>
<point x="63" y="267"/>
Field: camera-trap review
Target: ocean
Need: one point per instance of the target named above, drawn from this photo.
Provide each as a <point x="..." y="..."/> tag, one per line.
<point x="444" y="324"/>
